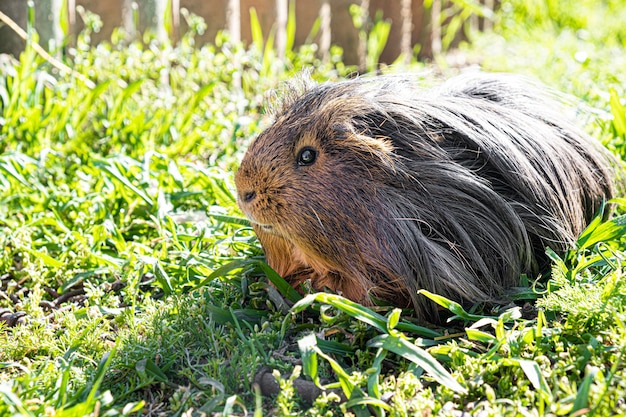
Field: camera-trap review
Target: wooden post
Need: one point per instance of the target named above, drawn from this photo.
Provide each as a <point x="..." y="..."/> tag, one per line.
<point x="362" y="45"/>
<point x="282" y="12"/>
<point x="48" y="24"/>
<point x="129" y="11"/>
<point x="233" y="17"/>
<point x="435" y="24"/>
<point x="406" y="47"/>
<point x="488" y="23"/>
<point x="71" y="18"/>
<point x="325" y="31"/>
<point x="10" y="42"/>
<point x="175" y="28"/>
<point x="159" y="19"/>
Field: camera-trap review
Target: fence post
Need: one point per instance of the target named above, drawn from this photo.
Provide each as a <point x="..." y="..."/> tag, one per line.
<point x="435" y="27"/>
<point x="362" y="44"/>
<point x="325" y="31"/>
<point x="151" y="17"/>
<point x="282" y="11"/>
<point x="129" y="10"/>
<point x="17" y="11"/>
<point x="406" y="48"/>
<point x="47" y="18"/>
<point x="175" y="21"/>
<point x="233" y="17"/>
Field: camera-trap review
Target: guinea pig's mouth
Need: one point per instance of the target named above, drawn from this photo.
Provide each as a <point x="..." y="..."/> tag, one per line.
<point x="267" y="228"/>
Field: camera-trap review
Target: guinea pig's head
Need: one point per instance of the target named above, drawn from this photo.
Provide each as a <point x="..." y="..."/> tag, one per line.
<point x="314" y="180"/>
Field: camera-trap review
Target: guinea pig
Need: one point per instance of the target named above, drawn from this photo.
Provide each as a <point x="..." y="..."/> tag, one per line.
<point x="375" y="188"/>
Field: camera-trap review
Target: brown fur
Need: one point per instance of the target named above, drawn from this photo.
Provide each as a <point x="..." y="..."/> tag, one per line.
<point x="456" y="189"/>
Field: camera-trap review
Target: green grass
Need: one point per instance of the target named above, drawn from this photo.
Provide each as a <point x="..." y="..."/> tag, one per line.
<point x="130" y="281"/>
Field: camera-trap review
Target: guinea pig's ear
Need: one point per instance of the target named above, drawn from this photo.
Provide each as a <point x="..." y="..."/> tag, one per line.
<point x="379" y="147"/>
<point x="361" y="143"/>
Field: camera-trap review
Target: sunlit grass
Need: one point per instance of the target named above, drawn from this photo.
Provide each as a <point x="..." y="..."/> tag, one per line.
<point x="139" y="285"/>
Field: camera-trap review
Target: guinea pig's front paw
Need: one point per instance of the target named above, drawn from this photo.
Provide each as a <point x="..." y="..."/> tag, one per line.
<point x="304" y="281"/>
<point x="308" y="280"/>
<point x="349" y="287"/>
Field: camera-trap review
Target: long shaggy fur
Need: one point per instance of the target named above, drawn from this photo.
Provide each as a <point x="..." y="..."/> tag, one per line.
<point x="456" y="189"/>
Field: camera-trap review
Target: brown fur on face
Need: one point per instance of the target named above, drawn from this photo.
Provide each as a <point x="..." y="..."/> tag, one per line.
<point x="457" y="189"/>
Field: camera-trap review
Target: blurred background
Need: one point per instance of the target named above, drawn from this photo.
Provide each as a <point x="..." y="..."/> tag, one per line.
<point x="401" y="28"/>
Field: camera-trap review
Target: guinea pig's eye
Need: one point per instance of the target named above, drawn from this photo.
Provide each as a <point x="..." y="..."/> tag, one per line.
<point x="307" y="156"/>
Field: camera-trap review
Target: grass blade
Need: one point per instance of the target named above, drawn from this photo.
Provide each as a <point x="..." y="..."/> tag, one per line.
<point x="11" y="399"/>
<point x="309" y="357"/>
<point x="533" y="373"/>
<point x="162" y="278"/>
<point x="105" y="362"/>
<point x="619" y="113"/>
<point x="230" y="219"/>
<point x="420" y="357"/>
<point x="148" y="370"/>
<point x="279" y="282"/>
<point x="291" y="27"/>
<point x="582" y="396"/>
<point x="349" y="307"/>
<point x="373" y="385"/>
<point x="453" y="306"/>
<point x="255" y="29"/>
<point x="45" y="258"/>
<point x="112" y="169"/>
<point x="602" y="232"/>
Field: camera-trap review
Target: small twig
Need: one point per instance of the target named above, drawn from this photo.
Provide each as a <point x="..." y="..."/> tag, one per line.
<point x="65" y="297"/>
<point x="42" y="52"/>
<point x="51" y="292"/>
